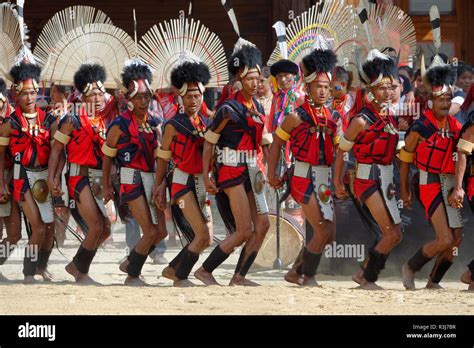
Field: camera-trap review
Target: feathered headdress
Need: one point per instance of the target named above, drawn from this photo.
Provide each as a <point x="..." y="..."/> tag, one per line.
<point x="376" y="67"/>
<point x="246" y="57"/>
<point x="11" y="38"/>
<point x="320" y="60"/>
<point x="163" y="45"/>
<point x="284" y="64"/>
<point x="331" y="22"/>
<point x="439" y="77"/>
<point x="25" y="67"/>
<point x="82" y="35"/>
<point x="383" y="28"/>
<point x="190" y="70"/>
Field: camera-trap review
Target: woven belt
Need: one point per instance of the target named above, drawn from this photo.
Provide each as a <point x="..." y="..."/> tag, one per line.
<point x="180" y="177"/>
<point x="78" y="170"/>
<point x="428" y="178"/>
<point x="228" y="153"/>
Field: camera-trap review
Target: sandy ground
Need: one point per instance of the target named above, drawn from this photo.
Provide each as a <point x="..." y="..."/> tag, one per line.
<point x="338" y="295"/>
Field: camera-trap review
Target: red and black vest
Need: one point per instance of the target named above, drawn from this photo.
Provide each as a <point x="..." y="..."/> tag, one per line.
<point x="375" y="145"/>
<point x="188" y="143"/>
<point x="85" y="146"/>
<point x="313" y="142"/>
<point x="135" y="148"/>
<point x="244" y="131"/>
<point x="435" y="153"/>
<point x="27" y="148"/>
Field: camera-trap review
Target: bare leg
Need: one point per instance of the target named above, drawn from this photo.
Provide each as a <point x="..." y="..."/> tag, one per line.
<point x="392" y="235"/>
<point x="444" y="238"/>
<point x="241" y="210"/>
<point x="324" y="233"/>
<point x="151" y="236"/>
<point x="444" y="260"/>
<point x="261" y="224"/>
<point x="202" y="238"/>
<point x="38" y="232"/>
<point x="98" y="231"/>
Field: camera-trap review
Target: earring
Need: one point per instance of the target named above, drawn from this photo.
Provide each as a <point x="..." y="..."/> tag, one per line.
<point x="130" y="106"/>
<point x="429" y="104"/>
<point x="370" y="97"/>
<point x="237" y="86"/>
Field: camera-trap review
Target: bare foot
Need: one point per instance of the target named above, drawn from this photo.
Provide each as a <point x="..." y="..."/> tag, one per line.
<point x="123" y="266"/>
<point x="239" y="280"/>
<point x="71" y="269"/>
<point x="433" y="286"/>
<point x="206" y="277"/>
<point x="408" y="277"/>
<point x="135" y="281"/>
<point x="293" y="277"/>
<point x="466" y="277"/>
<point x="47" y="277"/>
<point x="358" y="277"/>
<point x="185" y="283"/>
<point x="310" y="281"/>
<point x="365" y="285"/>
<point x="471" y="287"/>
<point x="169" y="272"/>
<point x="84" y="278"/>
<point x="29" y="280"/>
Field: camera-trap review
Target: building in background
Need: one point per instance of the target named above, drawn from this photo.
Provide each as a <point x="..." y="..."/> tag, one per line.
<point x="256" y="18"/>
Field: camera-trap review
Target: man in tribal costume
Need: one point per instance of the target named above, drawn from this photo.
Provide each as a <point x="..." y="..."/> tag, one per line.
<point x="238" y="132"/>
<point x="430" y="145"/>
<point x="82" y="136"/>
<point x="132" y="142"/>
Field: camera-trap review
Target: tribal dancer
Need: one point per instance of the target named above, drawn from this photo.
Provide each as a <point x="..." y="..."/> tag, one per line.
<point x="81" y="136"/>
<point x="26" y="134"/>
<point x="430" y="144"/>
<point x="312" y="138"/>
<point x="238" y="132"/>
<point x="132" y="142"/>
<point x="372" y="135"/>
<point x="183" y="142"/>
<point x="202" y="63"/>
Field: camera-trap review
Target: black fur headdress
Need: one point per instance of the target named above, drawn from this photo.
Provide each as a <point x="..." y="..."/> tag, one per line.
<point x="87" y="74"/>
<point x="377" y="66"/>
<point x="319" y="61"/>
<point x="245" y="54"/>
<point x="284" y="65"/>
<point x="136" y="71"/>
<point x="25" y="71"/>
<point x="441" y="75"/>
<point x="188" y="72"/>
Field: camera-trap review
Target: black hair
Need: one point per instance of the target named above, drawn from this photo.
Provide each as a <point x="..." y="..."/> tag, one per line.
<point x="136" y="71"/>
<point x="247" y="55"/>
<point x="89" y="73"/>
<point x="320" y="61"/>
<point x="190" y="72"/>
<point x="25" y="71"/>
